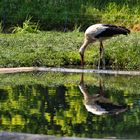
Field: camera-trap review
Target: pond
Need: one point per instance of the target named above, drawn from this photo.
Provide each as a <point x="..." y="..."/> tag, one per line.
<point x="66" y="104"/>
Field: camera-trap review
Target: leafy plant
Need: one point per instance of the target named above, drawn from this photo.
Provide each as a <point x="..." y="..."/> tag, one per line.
<point x="28" y="26"/>
<point x="77" y="28"/>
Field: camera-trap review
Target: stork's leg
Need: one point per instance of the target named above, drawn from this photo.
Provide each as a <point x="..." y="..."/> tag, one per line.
<point x="82" y="59"/>
<point x="99" y="61"/>
<point x="101" y="56"/>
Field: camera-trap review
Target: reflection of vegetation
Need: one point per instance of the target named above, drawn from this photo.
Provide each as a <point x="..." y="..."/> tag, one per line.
<point x="52" y="104"/>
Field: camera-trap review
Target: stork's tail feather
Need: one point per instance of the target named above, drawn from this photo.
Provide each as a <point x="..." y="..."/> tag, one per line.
<point x="125" y="30"/>
<point x="113" y="29"/>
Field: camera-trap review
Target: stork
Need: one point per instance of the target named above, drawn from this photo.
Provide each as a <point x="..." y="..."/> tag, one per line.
<point x="100" y="32"/>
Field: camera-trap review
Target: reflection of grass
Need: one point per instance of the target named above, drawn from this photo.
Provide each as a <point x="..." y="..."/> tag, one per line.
<point x="44" y="101"/>
<point x="128" y="83"/>
<point x="61" y="49"/>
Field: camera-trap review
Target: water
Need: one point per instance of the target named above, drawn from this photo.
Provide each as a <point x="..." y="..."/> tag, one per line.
<point x="63" y="104"/>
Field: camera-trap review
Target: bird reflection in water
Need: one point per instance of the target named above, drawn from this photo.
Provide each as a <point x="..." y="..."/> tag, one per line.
<point x="98" y="104"/>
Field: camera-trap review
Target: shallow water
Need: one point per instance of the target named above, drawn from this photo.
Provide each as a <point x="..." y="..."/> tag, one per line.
<point x="63" y="104"/>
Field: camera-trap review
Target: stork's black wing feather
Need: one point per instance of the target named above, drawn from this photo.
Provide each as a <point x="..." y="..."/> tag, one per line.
<point x="112" y="108"/>
<point x="112" y="30"/>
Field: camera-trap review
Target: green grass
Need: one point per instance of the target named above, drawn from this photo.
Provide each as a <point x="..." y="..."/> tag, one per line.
<point x="61" y="14"/>
<point x="61" y="49"/>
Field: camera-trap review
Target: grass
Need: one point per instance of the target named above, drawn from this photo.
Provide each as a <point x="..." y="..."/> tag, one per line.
<point x="61" y="49"/>
<point x="62" y="14"/>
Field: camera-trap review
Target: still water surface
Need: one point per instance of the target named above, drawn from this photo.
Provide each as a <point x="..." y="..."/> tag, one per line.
<point x="89" y="105"/>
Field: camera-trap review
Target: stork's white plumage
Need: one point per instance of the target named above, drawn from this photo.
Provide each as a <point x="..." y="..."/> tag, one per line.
<point x="100" y="32"/>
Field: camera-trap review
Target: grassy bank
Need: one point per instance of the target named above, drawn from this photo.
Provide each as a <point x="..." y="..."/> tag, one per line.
<point x="61" y="49"/>
<point x="62" y="14"/>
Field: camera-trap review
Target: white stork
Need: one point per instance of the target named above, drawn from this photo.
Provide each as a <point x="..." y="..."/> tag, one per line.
<point x="100" y="32"/>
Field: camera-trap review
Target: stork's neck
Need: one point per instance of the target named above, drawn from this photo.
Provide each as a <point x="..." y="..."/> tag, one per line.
<point x="82" y="49"/>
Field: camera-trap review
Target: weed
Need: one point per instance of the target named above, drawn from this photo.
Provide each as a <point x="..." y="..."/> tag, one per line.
<point x="28" y="26"/>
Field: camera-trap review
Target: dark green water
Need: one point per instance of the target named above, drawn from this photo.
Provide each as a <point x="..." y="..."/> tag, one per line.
<point x="54" y="104"/>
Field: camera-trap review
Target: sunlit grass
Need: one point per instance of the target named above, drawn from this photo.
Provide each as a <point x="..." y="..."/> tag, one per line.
<point x="61" y="49"/>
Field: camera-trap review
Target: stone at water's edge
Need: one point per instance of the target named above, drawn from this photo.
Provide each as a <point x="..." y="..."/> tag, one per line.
<point x="67" y="70"/>
<point x="18" y="69"/>
<point x="71" y="70"/>
<point x="23" y="136"/>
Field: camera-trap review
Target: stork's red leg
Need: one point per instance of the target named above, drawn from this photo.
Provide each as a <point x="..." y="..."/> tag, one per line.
<point x="82" y="59"/>
<point x="101" y="57"/>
